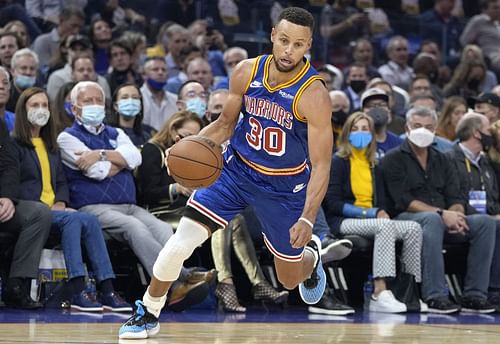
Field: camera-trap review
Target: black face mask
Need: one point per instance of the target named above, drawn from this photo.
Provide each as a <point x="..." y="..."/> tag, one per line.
<point x="357" y="85"/>
<point x="380" y="117"/>
<point x="214" y="116"/>
<point x="339" y="117"/>
<point x="473" y="84"/>
<point x="486" y="141"/>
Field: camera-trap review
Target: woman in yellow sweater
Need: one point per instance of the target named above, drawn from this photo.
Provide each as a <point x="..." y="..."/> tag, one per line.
<point x="354" y="204"/>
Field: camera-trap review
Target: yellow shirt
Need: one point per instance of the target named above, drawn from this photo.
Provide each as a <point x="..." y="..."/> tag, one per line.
<point x="361" y="179"/>
<point x="47" y="196"/>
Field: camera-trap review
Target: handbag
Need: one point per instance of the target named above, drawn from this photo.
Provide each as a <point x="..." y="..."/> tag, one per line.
<point x="405" y="289"/>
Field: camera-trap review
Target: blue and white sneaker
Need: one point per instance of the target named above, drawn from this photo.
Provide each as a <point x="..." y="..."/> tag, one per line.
<point x="140" y="325"/>
<point x="312" y="289"/>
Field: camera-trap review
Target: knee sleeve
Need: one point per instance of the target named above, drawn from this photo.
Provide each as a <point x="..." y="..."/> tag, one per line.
<point x="189" y="235"/>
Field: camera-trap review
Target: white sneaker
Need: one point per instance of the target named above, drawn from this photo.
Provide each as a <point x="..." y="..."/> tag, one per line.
<point x="385" y="302"/>
<point x="423" y="306"/>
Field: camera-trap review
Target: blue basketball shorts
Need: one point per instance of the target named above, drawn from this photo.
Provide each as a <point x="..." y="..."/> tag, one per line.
<point x="278" y="202"/>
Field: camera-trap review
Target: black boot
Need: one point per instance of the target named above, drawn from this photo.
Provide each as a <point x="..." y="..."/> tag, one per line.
<point x="16" y="294"/>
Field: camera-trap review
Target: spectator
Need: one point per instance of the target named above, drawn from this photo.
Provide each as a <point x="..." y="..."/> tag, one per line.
<point x="440" y="23"/>
<point x="193" y="97"/>
<point x="420" y="86"/>
<point x="47" y="13"/>
<point x="199" y="69"/>
<point x="24" y="67"/>
<point x="211" y="43"/>
<point x="59" y="59"/>
<point x="433" y="200"/>
<point x="232" y="57"/>
<point x="61" y="108"/>
<point x="396" y="123"/>
<point x="127" y="104"/>
<point x="7" y="116"/>
<point x="362" y="53"/>
<point x="487" y="104"/>
<point x="478" y="184"/>
<point x="160" y="49"/>
<point x="216" y="101"/>
<point x="340" y="112"/>
<point x="177" y="38"/>
<point x="122" y="66"/>
<point x="29" y="221"/>
<point x="356" y="80"/>
<point x="424" y="100"/>
<point x="138" y="42"/>
<point x="20" y="30"/>
<point x="100" y="36"/>
<point x="78" y="46"/>
<point x="98" y="157"/>
<point x="158" y="104"/>
<point x="188" y="54"/>
<point x="467" y="80"/>
<point x="453" y="110"/>
<point x="71" y="20"/>
<point x="444" y="71"/>
<point x="482" y="30"/>
<point x="355" y="204"/>
<point x="396" y="71"/>
<point x="36" y="146"/>
<point x="426" y="69"/>
<point x="82" y="69"/>
<point x="494" y="151"/>
<point x="375" y="103"/>
<point x="9" y="44"/>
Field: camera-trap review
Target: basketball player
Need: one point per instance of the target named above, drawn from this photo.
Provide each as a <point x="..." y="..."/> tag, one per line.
<point x="284" y="102"/>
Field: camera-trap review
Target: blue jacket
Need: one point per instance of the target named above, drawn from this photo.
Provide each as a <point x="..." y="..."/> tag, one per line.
<point x="31" y="174"/>
<point x="339" y="200"/>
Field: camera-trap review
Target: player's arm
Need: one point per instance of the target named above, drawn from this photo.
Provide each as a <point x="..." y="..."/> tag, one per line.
<point x="222" y="129"/>
<point x="315" y="105"/>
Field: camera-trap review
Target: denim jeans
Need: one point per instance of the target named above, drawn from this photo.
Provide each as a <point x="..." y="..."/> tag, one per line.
<point x="321" y="228"/>
<point x="481" y="237"/>
<point x="77" y="228"/>
<point x="495" y="264"/>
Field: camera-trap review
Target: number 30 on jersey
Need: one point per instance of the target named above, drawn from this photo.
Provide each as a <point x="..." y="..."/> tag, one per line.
<point x="271" y="139"/>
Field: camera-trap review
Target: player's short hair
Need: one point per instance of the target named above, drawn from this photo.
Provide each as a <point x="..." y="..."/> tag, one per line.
<point x="298" y="16"/>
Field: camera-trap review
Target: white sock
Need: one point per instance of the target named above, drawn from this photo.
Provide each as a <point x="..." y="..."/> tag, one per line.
<point x="154" y="304"/>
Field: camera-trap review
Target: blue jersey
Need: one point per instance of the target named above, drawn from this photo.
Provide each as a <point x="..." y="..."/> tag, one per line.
<point x="272" y="136"/>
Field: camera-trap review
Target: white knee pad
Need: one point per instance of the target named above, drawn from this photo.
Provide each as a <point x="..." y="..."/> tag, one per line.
<point x="189" y="235"/>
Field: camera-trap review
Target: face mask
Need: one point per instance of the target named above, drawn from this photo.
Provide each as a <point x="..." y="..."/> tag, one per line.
<point x="156" y="85"/>
<point x="92" y="115"/>
<point x="67" y="108"/>
<point x="39" y="116"/>
<point x="380" y="117"/>
<point x="486" y="141"/>
<point x="357" y="85"/>
<point x="473" y="84"/>
<point x="23" y="82"/>
<point x="129" y="107"/>
<point x="214" y="116"/>
<point x="339" y="117"/>
<point x="360" y="139"/>
<point x="196" y="105"/>
<point x="421" y="137"/>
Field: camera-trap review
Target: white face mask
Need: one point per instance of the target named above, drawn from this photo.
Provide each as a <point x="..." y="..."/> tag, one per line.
<point x="39" y="116"/>
<point x="421" y="137"/>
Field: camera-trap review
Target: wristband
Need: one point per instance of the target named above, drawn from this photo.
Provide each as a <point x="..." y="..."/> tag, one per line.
<point x="306" y="221"/>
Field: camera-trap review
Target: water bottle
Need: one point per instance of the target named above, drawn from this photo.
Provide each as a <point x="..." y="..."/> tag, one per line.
<point x="367" y="292"/>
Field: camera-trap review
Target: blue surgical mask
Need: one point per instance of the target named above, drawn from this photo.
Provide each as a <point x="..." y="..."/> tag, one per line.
<point x="23" y="81"/>
<point x="129" y="107"/>
<point x="156" y="85"/>
<point x="197" y="105"/>
<point x="69" y="111"/>
<point x="360" y="139"/>
<point x="93" y="115"/>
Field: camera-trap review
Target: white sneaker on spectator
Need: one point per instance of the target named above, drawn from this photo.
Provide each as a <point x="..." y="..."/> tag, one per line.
<point x="385" y="302"/>
<point x="423" y="306"/>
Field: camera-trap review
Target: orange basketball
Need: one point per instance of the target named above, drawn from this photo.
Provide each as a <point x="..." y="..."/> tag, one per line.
<point x="195" y="162"/>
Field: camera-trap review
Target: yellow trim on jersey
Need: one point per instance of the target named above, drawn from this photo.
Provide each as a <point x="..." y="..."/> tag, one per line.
<point x="299" y="94"/>
<point x="254" y="71"/>
<point x="289" y="83"/>
<point x="274" y="171"/>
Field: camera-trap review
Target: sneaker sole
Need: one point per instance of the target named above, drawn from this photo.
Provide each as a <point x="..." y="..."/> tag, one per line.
<point x="313" y="295"/>
<point x="134" y="335"/>
<point x="338" y="250"/>
<point x="478" y="311"/>
<point x="443" y="311"/>
<point x="318" y="310"/>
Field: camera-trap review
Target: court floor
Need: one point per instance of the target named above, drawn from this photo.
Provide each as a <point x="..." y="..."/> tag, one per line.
<point x="293" y="325"/>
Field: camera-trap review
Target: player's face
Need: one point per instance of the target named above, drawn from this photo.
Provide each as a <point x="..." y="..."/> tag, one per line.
<point x="290" y="43"/>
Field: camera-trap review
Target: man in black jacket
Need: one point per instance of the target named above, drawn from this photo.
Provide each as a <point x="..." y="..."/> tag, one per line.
<point x="478" y="183"/>
<point x="29" y="221"/>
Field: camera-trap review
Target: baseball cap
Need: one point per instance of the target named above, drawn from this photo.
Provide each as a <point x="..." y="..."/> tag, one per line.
<point x="79" y="39"/>
<point x="489" y="98"/>
<point x="373" y="93"/>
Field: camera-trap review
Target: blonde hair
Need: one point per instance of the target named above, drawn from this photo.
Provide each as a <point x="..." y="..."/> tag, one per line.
<point x="164" y="138"/>
<point x="344" y="146"/>
<point x="494" y="151"/>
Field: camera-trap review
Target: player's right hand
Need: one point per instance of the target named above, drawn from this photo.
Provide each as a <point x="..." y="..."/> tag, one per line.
<point x="300" y="234"/>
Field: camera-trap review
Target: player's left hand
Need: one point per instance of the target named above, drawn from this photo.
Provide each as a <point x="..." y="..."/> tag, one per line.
<point x="300" y="234"/>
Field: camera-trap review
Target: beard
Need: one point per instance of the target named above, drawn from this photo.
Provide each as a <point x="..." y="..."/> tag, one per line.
<point x="283" y="69"/>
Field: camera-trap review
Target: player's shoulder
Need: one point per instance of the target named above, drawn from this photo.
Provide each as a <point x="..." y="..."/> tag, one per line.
<point x="241" y="75"/>
<point x="315" y="90"/>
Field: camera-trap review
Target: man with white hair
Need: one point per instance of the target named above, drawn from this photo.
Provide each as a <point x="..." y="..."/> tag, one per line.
<point x="199" y="69"/>
<point x="98" y="161"/>
<point x="8" y="116"/>
<point x="177" y="37"/>
<point x="24" y="68"/>
<point x="396" y="70"/>
<point x="232" y="57"/>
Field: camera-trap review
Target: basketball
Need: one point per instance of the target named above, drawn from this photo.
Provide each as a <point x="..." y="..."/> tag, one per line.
<point x="195" y="162"/>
